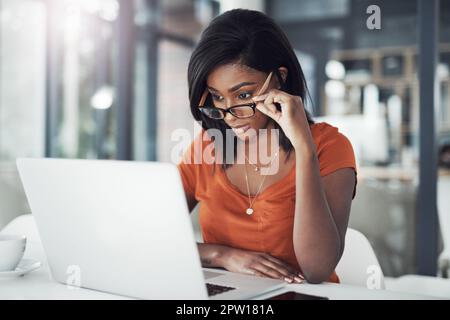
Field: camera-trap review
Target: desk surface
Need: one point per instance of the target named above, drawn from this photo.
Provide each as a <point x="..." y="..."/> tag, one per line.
<point x="39" y="285"/>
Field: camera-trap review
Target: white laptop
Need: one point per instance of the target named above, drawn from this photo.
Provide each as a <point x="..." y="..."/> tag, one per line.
<point x="124" y="227"/>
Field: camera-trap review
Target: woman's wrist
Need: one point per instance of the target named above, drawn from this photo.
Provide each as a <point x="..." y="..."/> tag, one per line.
<point x="303" y="147"/>
<point x="302" y="140"/>
<point x="212" y="255"/>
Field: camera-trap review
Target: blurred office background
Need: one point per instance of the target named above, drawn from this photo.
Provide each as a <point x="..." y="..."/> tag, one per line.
<point x="106" y="79"/>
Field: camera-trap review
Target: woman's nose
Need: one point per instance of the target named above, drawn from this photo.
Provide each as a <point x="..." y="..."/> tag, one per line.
<point x="229" y="118"/>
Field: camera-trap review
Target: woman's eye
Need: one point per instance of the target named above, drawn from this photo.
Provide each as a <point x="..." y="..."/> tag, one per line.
<point x="216" y="97"/>
<point x="245" y="95"/>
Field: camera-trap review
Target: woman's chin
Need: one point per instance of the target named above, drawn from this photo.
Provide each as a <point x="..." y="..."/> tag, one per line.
<point x="248" y="136"/>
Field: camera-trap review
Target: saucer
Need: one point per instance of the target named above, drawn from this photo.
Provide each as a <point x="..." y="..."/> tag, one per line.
<point x="25" y="266"/>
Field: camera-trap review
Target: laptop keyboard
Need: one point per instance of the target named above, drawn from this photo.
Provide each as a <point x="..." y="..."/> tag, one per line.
<point x="214" y="289"/>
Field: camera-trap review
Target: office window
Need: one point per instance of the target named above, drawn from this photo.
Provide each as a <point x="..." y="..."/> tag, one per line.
<point x="366" y="82"/>
<point x="81" y="70"/>
<point x="182" y="22"/>
<point x="22" y="85"/>
<point x="173" y="101"/>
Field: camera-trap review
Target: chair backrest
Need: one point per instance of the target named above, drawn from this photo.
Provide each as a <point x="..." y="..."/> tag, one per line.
<point x="359" y="264"/>
<point x="13" y="201"/>
<point x="443" y="207"/>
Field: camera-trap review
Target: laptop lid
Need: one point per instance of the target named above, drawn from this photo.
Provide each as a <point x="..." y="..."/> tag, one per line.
<point x="123" y="226"/>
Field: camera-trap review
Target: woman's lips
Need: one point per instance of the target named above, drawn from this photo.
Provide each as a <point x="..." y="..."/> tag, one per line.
<point x="241" y="129"/>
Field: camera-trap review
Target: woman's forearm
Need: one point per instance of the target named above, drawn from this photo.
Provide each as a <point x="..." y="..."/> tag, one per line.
<point x="210" y="254"/>
<point x="316" y="238"/>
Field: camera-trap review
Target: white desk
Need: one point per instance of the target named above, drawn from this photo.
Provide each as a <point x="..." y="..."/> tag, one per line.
<point x="38" y="284"/>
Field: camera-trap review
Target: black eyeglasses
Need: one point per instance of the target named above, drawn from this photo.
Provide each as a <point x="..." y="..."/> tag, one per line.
<point x="240" y="111"/>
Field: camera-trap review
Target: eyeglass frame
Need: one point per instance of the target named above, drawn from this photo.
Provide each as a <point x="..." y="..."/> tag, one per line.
<point x="228" y="110"/>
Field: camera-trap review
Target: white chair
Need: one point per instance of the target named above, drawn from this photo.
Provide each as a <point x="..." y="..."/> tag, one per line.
<point x="359" y="264"/>
<point x="26" y="225"/>
<point x="13" y="201"/>
<point x="443" y="206"/>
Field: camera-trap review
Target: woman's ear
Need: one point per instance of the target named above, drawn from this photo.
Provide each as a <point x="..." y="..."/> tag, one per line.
<point x="283" y="72"/>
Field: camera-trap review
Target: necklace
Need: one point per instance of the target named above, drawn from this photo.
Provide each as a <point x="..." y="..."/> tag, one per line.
<point x="250" y="210"/>
<point x="256" y="166"/>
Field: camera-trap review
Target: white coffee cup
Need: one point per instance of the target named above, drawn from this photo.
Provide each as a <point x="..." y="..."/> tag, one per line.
<point x="12" y="248"/>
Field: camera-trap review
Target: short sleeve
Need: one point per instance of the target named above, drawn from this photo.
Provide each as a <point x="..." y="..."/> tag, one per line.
<point x="335" y="152"/>
<point x="187" y="171"/>
<point x="188" y="167"/>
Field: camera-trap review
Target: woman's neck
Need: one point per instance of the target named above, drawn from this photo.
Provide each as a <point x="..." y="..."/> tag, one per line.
<point x="264" y="144"/>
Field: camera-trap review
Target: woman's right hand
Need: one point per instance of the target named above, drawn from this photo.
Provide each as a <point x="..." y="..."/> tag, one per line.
<point x="258" y="264"/>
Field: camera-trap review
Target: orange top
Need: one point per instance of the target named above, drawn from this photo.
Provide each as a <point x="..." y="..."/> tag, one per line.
<point x="269" y="229"/>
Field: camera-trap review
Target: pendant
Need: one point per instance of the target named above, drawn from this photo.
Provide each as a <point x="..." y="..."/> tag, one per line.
<point x="249" y="211"/>
<point x="256" y="169"/>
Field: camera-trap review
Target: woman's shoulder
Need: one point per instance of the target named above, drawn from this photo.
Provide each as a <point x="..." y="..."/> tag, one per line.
<point x="323" y="132"/>
<point x="334" y="149"/>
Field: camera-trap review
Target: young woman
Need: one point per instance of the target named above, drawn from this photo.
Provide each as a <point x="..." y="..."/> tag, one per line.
<point x="290" y="224"/>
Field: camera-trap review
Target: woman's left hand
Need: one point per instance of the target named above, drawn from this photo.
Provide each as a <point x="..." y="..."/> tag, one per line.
<point x="292" y="117"/>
